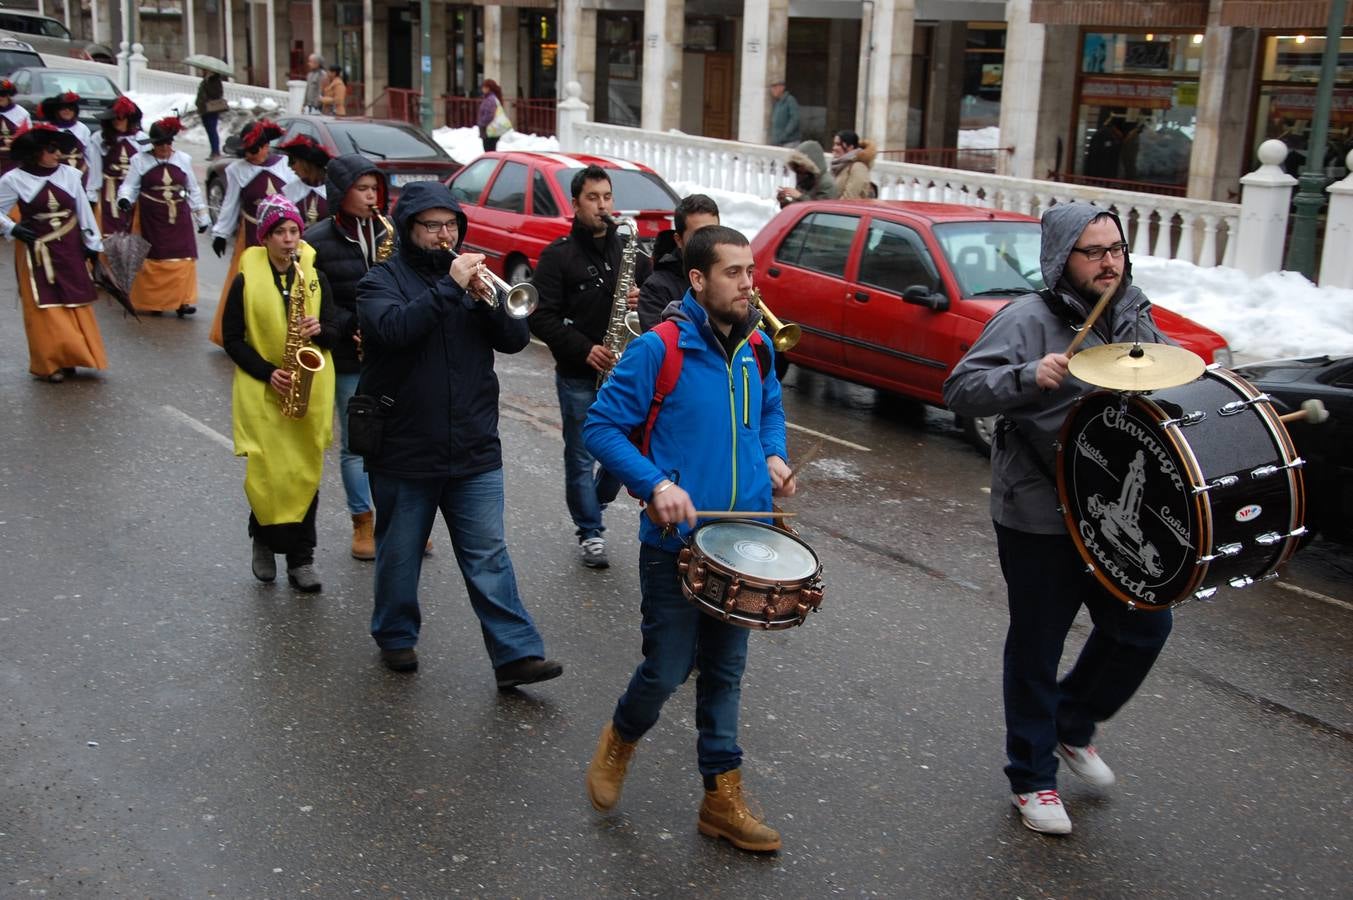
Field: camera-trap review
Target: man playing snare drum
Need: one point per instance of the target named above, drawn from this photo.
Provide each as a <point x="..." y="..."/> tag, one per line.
<point x="699" y="457"/>
<point x="1018" y="369"/>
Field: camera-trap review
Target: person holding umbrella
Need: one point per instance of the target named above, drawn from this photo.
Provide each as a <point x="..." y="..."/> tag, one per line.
<point x="63" y="112"/>
<point x="122" y="139"/>
<point x="13" y="119"/>
<point x="210" y="100"/>
<point x="261" y="173"/>
<point x="308" y="159"/>
<point x="56" y="236"/>
<point x="164" y="194"/>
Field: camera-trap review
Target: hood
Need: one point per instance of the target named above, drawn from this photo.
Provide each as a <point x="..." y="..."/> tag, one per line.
<point x="864" y="153"/>
<point x="343" y="171"/>
<point x="808" y="157"/>
<point x="420" y="196"/>
<point x="688" y="309"/>
<point x="664" y="245"/>
<point x="1062" y="227"/>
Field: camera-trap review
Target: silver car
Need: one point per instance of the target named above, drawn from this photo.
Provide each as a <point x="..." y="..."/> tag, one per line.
<point x="48" y="35"/>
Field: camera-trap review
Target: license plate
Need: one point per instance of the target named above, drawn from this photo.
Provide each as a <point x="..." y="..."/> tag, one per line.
<point x="400" y="180"/>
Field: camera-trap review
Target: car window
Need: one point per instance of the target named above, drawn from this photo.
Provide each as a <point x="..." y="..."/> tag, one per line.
<point x="469" y="184"/>
<point x="509" y="189"/>
<point x="378" y="141"/>
<point x="17" y="59"/>
<point x="95" y="87"/>
<point x="52" y="28"/>
<point x="993" y="256"/>
<point x="631" y="189"/>
<point x="21" y="80"/>
<point x="821" y="242"/>
<point x="895" y="258"/>
<point x="298" y="127"/>
<point x="16" y="23"/>
<point x="542" y="201"/>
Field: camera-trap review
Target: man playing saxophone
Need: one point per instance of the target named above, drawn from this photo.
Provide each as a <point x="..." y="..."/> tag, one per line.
<point x="576" y="280"/>
<point x="278" y="303"/>
<point x="347" y="245"/>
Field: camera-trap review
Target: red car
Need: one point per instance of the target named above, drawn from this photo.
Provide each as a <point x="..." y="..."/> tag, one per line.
<point x="891" y="294"/>
<point x="518" y="202"/>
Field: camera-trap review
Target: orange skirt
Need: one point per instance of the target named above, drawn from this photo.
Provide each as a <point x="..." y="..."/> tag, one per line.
<point x="165" y="285"/>
<point x="59" y="337"/>
<point x="216" y="335"/>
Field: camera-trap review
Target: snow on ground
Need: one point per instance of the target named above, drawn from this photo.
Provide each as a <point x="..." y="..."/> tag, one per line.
<point x="464" y="144"/>
<point x="156" y="106"/>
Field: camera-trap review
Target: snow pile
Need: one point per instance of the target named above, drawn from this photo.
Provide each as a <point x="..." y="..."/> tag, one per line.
<point x="979" y="138"/>
<point x="464" y="144"/>
<point x="747" y="213"/>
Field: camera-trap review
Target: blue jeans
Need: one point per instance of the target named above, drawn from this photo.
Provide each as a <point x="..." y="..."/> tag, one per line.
<point x="473" y="510"/>
<point x="1047" y="583"/>
<point x="587" y="486"/>
<point x="209" y="125"/>
<point x="352" y="465"/>
<point x="677" y="636"/>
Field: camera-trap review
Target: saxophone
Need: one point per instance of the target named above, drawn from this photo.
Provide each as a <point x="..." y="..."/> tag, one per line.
<point x="386" y="248"/>
<point x="624" y="324"/>
<point x="300" y="358"/>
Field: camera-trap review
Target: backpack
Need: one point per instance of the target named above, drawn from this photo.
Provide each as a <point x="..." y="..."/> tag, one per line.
<point x="670" y="371"/>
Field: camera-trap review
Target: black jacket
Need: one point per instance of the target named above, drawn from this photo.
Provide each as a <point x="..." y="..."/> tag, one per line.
<point x="341" y="257"/>
<point x="667" y="284"/>
<point x="428" y="355"/>
<point x="576" y="282"/>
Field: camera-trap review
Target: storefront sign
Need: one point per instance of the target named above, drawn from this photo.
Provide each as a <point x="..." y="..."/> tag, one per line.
<point x="1296" y="103"/>
<point x="1128" y="92"/>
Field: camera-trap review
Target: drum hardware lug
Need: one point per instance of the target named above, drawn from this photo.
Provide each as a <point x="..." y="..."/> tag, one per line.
<point x="1192" y="418"/>
<point x="1224" y="550"/>
<point x="1239" y="406"/>
<point x="1132" y="604"/>
<point x="1206" y="593"/>
<point x="1266" y="471"/>
<point x="1269" y="538"/>
<point x="1243" y="581"/>
<point x="1224" y="481"/>
<point x="684" y="560"/>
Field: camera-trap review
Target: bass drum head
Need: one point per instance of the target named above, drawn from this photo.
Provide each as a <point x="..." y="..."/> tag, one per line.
<point x="1127" y="494"/>
<point x="756" y="551"/>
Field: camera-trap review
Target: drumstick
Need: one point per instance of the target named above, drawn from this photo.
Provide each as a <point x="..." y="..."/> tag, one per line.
<point x="1312" y="411"/>
<point x="741" y="514"/>
<point x="1094" y="314"/>
<point x="808" y="457"/>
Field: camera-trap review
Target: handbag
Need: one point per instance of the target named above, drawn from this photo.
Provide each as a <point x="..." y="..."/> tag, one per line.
<point x="217" y="105"/>
<point x="366" y="424"/>
<point x="500" y="125"/>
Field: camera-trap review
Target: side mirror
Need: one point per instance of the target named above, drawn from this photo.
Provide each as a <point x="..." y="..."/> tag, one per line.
<point x="231" y="147"/>
<point x="920" y="295"/>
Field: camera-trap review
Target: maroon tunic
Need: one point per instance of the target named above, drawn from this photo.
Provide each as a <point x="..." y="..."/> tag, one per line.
<point x="166" y="218"/>
<point x="76" y="157"/>
<point x="314" y="208"/>
<point x="7" y="129"/>
<point x="60" y="275"/>
<point x="116" y="164"/>
<point x="264" y="184"/>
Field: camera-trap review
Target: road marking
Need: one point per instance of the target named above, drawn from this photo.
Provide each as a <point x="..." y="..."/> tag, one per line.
<point x="538" y="342"/>
<point x="828" y="437"/>
<point x="1314" y="595"/>
<point x="200" y="427"/>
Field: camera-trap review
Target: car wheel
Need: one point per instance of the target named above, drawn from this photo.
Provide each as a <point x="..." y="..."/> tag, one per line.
<point x="215" y="197"/>
<point x="518" y="270"/>
<point x="979" y="431"/>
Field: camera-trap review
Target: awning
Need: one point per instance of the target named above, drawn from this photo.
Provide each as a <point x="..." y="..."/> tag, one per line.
<point x="1121" y="13"/>
<point x="1279" y="13"/>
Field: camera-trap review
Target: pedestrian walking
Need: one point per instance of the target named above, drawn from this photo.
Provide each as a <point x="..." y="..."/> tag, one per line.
<point x="347" y="245"/>
<point x="308" y="159"/>
<point x="63" y="112"/>
<point x="210" y="103"/>
<point x="428" y="340"/>
<point x="852" y="165"/>
<point x="718" y="460"/>
<point x="13" y="119"/>
<point x="55" y="238"/>
<point x="1018" y="368"/>
<point x="315" y="75"/>
<point x="161" y="198"/>
<point x="261" y="173"/>
<point x="575" y="279"/>
<point x="669" y="282"/>
<point x="812" y="181"/>
<point x="334" y="97"/>
<point x="278" y="300"/>
<point x="120" y="140"/>
<point x="784" y="116"/>
<point x="493" y="121"/>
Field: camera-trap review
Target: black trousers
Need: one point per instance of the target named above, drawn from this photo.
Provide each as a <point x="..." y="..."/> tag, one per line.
<point x="295" y="539"/>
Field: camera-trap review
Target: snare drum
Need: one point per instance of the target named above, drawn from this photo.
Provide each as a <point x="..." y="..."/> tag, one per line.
<point x="1171" y="494"/>
<point x="751" y="575"/>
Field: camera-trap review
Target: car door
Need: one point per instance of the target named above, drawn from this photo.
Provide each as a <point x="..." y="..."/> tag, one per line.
<point x="885" y="337"/>
<point x="500" y="213"/>
<point x="468" y="187"/>
<point x="804" y="283"/>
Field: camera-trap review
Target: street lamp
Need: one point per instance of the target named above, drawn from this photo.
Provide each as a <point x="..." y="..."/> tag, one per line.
<point x="1311" y="190"/>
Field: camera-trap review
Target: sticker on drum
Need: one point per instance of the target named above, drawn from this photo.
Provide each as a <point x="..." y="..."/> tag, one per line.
<point x="756" y="551"/>
<point x="1249" y="512"/>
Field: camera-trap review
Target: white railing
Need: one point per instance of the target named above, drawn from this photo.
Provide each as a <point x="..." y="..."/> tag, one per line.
<point x="1169" y="227"/>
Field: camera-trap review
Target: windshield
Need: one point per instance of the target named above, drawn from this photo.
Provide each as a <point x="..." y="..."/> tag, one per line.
<point x="991" y="257"/>
<point x="90" y="86"/>
<point x="632" y="190"/>
<point x="384" y="141"/>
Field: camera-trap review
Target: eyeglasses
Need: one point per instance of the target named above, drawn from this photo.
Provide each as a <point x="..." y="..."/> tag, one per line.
<point x="1094" y="254"/>
<point x="434" y="227"/>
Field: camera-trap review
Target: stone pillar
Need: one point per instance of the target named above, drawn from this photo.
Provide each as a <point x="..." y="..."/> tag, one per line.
<point x="316" y="31"/>
<point x="1265" y="195"/>
<point x="572" y="110"/>
<point x="1038" y="88"/>
<point x="577" y="48"/>
<point x="765" y="40"/>
<point x="468" y="52"/>
<point x="229" y="13"/>
<point x="493" y="46"/>
<point x="945" y="100"/>
<point x="295" y="95"/>
<point x="270" y="42"/>
<point x="136" y="64"/>
<point x="508" y="64"/>
<point x="886" y="40"/>
<point x="369" y="86"/>
<point x="189" y="23"/>
<point x="664" y="40"/>
<point x="1228" y="59"/>
<point x="1336" y="263"/>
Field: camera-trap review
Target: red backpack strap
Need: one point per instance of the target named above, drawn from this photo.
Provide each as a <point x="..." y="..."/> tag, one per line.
<point x="758" y="345"/>
<point x="666" y="382"/>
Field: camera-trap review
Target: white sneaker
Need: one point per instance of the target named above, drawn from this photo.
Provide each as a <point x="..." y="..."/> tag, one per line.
<point x="594" y="553"/>
<point x="1042" y="811"/>
<point x="1085" y="762"/>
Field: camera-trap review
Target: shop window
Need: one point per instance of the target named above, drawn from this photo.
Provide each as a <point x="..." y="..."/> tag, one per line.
<point x="983" y="74"/>
<point x="1287" y="94"/>
<point x="620" y="58"/>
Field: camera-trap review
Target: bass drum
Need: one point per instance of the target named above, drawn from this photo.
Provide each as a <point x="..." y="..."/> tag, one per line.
<point x="1172" y="494"/>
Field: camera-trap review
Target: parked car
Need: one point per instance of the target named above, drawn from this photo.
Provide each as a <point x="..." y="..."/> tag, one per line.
<point x="48" y="35"/>
<point x="891" y="294"/>
<point x="33" y="85"/>
<point x="1328" y="473"/>
<point x="404" y="153"/>
<point x="518" y="202"/>
<point x="17" y="54"/>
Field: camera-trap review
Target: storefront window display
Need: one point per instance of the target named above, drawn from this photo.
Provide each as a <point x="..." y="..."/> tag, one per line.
<point x="983" y="73"/>
<point x="620" y="50"/>
<point x="1137" y="107"/>
<point x="1287" y="94"/>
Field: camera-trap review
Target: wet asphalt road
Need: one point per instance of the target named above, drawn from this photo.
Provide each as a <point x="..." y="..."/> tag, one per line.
<point x="173" y="728"/>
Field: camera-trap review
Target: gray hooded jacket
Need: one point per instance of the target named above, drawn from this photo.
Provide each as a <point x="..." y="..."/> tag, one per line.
<point x="997" y="375"/>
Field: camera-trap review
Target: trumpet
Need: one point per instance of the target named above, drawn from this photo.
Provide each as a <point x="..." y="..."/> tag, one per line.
<point x="520" y="300"/>
<point x="783" y="336"/>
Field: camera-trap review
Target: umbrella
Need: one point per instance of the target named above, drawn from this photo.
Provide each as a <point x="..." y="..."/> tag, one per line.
<point x="210" y="63"/>
<point x="104" y="282"/>
<point x="124" y="252"/>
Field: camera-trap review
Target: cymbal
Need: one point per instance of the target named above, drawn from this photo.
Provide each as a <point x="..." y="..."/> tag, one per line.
<point x="1136" y="367"/>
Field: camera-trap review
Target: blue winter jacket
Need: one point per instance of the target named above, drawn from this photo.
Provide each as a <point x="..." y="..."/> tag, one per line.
<point x="714" y="433"/>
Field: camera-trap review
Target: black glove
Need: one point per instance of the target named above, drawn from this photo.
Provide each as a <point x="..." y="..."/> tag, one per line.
<point x="202" y="229"/>
<point x="92" y="255"/>
<point x="23" y="233"/>
<point x="218" y="246"/>
<point x="124" y="204"/>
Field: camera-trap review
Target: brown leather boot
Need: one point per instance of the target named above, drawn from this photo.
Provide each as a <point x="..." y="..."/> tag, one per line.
<point x="606" y="773"/>
<point x="724" y="813"/>
<point x="364" y="536"/>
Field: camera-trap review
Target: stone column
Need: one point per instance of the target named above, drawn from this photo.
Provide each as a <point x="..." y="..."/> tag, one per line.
<point x="1223" y="112"/>
<point x="295" y="95"/>
<point x="1336" y="263"/>
<point x="572" y="111"/>
<point x="316" y="31"/>
<point x="440" y="73"/>
<point x="468" y="51"/>
<point x="1038" y="87"/>
<point x="886" y="40"/>
<point x="369" y="90"/>
<point x="189" y="23"/>
<point x="1265" y="196"/>
<point x="664" y="39"/>
<point x="493" y="46"/>
<point x="765" y="39"/>
<point x="270" y="42"/>
<point x="945" y="98"/>
<point x="577" y="49"/>
<point x="508" y="64"/>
